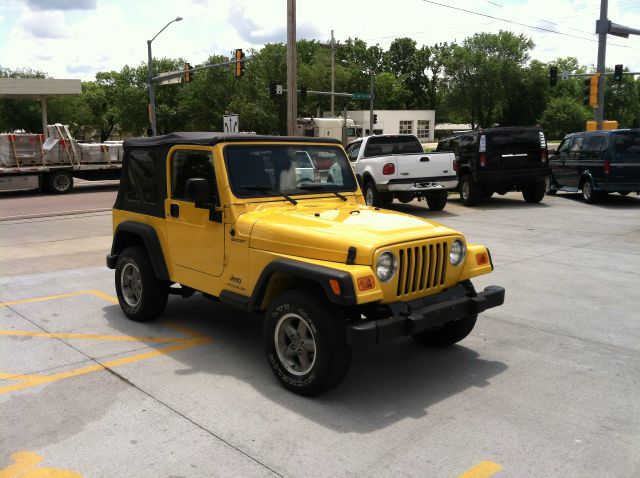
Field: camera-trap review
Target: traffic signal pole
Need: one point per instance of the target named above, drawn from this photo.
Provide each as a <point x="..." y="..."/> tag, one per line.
<point x="598" y="114"/>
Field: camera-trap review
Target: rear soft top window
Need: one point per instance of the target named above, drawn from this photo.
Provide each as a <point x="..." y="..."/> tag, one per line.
<point x="384" y="145"/>
<point x="627" y="144"/>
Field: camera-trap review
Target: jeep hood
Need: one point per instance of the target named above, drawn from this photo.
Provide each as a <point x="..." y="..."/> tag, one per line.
<point x="327" y="233"/>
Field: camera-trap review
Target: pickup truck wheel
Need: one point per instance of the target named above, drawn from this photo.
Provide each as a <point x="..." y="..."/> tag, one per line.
<point x="533" y="192"/>
<point x="469" y="191"/>
<point x="437" y="203"/>
<point x="623" y="193"/>
<point x="59" y="182"/>
<point x="487" y="193"/>
<point x="550" y="186"/>
<point x="142" y="296"/>
<point x="305" y="342"/>
<point x="451" y="333"/>
<point x="374" y="198"/>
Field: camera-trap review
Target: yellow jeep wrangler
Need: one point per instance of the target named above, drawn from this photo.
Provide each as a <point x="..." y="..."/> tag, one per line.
<point x="279" y="225"/>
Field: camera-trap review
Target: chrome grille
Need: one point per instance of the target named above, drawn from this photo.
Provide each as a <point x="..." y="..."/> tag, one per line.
<point x="421" y="268"/>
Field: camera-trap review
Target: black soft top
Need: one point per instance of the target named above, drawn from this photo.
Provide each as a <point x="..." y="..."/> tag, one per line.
<point x="210" y="138"/>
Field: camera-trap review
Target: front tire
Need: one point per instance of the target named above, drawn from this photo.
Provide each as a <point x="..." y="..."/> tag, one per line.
<point x="549" y="186"/>
<point x="451" y="333"/>
<point x="534" y="192"/>
<point x="142" y="296"/>
<point x="305" y="342"/>
<point x="470" y="192"/>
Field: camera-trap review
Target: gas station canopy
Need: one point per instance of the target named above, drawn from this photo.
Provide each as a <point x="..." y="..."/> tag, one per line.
<point x="38" y="88"/>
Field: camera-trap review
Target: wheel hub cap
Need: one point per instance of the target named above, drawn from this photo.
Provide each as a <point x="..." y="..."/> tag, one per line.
<point x="131" y="284"/>
<point x="295" y="344"/>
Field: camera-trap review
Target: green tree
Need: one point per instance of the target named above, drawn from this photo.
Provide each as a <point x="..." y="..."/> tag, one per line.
<point x="564" y="115"/>
<point x="20" y="113"/>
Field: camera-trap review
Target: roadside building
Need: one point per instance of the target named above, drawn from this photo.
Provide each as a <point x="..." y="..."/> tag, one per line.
<point x="418" y="122"/>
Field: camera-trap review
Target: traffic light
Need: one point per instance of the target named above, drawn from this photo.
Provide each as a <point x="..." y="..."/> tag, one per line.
<point x="272" y="89"/>
<point x="553" y="76"/>
<point x="617" y="73"/>
<point x="375" y="119"/>
<point x="303" y="92"/>
<point x="187" y="73"/>
<point x="239" y="67"/>
<point x="590" y="96"/>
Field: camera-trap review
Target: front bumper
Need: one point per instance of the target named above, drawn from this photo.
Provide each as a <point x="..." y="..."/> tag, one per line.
<point x="420" y="185"/>
<point x="409" y="318"/>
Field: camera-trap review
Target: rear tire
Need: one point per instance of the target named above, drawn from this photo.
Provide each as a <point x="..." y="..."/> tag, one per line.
<point x="533" y="192"/>
<point x="623" y="193"/>
<point x="437" y="203"/>
<point x="451" y="333"/>
<point x="588" y="194"/>
<point x="550" y="186"/>
<point x="374" y="198"/>
<point x="142" y="296"/>
<point x="305" y="342"/>
<point x="59" y="182"/>
<point x="470" y="192"/>
<point x="487" y="193"/>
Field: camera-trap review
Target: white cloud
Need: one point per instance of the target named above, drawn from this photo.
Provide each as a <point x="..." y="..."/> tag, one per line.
<point x="115" y="32"/>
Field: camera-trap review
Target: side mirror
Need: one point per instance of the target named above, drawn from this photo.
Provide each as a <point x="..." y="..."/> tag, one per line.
<point x="197" y="190"/>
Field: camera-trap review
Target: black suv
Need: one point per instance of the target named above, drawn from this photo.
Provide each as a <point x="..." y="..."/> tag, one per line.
<point x="499" y="160"/>
<point x="597" y="162"/>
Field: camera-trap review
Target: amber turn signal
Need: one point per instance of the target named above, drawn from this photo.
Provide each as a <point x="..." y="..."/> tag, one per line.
<point x="366" y="283"/>
<point x="335" y="286"/>
<point x="482" y="259"/>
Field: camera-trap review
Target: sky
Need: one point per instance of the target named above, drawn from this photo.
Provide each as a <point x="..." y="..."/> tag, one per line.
<point x="77" y="38"/>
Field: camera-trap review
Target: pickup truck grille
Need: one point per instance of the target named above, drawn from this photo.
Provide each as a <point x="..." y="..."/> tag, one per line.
<point x="421" y="267"/>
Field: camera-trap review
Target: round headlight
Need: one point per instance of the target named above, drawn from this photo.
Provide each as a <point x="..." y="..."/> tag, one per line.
<point x="458" y="250"/>
<point x="386" y="266"/>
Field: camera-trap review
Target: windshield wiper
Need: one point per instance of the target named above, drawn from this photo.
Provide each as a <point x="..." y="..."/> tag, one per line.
<point x="317" y="187"/>
<point x="263" y="188"/>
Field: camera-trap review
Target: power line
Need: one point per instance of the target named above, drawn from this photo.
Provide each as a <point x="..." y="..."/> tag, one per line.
<point x="521" y="24"/>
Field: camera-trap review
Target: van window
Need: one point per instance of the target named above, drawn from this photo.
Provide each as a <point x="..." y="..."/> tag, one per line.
<point x="563" y="148"/>
<point x="596" y="144"/>
<point x="576" y="144"/>
<point x="627" y="145"/>
<point x="142" y="176"/>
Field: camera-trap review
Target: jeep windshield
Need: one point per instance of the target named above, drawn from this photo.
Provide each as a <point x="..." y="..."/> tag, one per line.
<point x="285" y="170"/>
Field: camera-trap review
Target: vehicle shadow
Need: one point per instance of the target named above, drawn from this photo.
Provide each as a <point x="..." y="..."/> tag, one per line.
<point x="78" y="188"/>
<point x="385" y="384"/>
<point x="609" y="201"/>
<point x="502" y="202"/>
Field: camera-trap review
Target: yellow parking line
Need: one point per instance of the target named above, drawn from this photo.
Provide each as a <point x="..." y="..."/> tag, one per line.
<point x="484" y="469"/>
<point x="42" y="299"/>
<point x="89" y="336"/>
<point x="35" y="380"/>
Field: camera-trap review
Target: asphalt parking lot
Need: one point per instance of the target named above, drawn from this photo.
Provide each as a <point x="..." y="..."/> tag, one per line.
<point x="546" y="385"/>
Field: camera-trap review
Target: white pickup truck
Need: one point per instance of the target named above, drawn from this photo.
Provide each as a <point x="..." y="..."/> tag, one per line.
<point x="396" y="166"/>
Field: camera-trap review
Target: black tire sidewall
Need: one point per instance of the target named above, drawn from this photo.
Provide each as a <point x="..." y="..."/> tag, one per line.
<point x="154" y="291"/>
<point x="437" y="203"/>
<point x="51" y="178"/>
<point x="329" y="338"/>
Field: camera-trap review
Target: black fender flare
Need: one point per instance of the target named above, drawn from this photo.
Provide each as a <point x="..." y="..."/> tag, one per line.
<point x="318" y="274"/>
<point x="587" y="176"/>
<point x="151" y="243"/>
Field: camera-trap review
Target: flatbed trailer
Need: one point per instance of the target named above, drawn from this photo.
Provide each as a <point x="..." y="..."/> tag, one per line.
<point x="28" y="161"/>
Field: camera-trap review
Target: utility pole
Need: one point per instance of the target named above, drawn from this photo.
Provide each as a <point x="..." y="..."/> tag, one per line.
<point x="371" y="104"/>
<point x="333" y="72"/>
<point x="292" y="88"/>
<point x="598" y="115"/>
